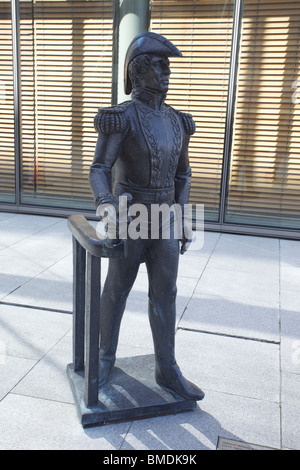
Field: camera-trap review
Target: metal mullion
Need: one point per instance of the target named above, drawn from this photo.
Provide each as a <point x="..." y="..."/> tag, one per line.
<point x="15" y="24"/>
<point x="115" y="71"/>
<point x="236" y="34"/>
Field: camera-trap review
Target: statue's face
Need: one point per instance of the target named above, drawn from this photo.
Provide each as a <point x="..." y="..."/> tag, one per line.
<point x="157" y="74"/>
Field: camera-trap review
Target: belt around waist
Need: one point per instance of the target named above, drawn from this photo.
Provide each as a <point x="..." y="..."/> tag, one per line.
<point x="147" y="195"/>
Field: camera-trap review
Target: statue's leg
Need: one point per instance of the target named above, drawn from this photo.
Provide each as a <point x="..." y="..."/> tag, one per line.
<point x="162" y="264"/>
<point x="119" y="281"/>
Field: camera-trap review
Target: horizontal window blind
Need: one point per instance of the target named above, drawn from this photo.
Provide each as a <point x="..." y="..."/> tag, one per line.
<point x="66" y="69"/>
<point x="202" y="30"/>
<point x="7" y="150"/>
<point x="264" y="184"/>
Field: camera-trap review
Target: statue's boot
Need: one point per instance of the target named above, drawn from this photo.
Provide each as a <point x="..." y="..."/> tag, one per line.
<point x="167" y="372"/>
<point x="105" y="368"/>
<point x="171" y="378"/>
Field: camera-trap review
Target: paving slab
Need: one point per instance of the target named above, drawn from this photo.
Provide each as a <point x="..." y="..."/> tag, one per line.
<point x="16" y="270"/>
<point x="28" y="423"/>
<point x="231" y="317"/>
<point x="240" y="285"/>
<point x="217" y="415"/>
<point x="192" y="266"/>
<point x="290" y="348"/>
<point x="52" y="288"/>
<point x="246" y="262"/>
<point x="193" y="262"/>
<point x="14" y="229"/>
<point x="238" y="298"/>
<point x="47" y="246"/>
<point x="290" y="277"/>
<point x="230" y="365"/>
<point x="290" y="331"/>
<point x="290" y="252"/>
<point x="290" y="427"/>
<point x="290" y="410"/>
<point x="31" y="333"/>
<point x="48" y="379"/>
<point x="6" y="215"/>
<point x="246" y="245"/>
<point x="12" y="370"/>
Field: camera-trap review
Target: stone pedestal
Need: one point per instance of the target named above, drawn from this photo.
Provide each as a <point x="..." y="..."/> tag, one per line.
<point x="130" y="393"/>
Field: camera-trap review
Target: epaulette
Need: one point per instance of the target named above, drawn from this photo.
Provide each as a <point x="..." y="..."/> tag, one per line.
<point x="110" y="120"/>
<point x="188" y="122"/>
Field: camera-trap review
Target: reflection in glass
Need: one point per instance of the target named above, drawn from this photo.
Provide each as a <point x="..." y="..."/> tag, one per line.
<point x="66" y="67"/>
<point x="202" y="30"/>
<point x="264" y="186"/>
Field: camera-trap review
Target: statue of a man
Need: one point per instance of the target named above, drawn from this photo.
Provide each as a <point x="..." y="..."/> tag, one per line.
<point x="147" y="141"/>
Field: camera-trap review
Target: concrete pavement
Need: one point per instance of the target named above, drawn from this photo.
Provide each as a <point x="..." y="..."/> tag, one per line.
<point x="238" y="338"/>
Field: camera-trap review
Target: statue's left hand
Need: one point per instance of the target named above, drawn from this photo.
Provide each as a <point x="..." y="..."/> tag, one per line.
<point x="187" y="237"/>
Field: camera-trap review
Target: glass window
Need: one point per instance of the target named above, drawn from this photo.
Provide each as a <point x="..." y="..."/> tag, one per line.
<point x="7" y="146"/>
<point x="264" y="186"/>
<point x="202" y="30"/>
<point x="66" y="75"/>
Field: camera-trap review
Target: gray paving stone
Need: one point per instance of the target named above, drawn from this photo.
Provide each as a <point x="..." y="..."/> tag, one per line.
<point x="12" y="370"/>
<point x="290" y="277"/>
<point x="28" y="423"/>
<point x="226" y="316"/>
<point x="290" y="299"/>
<point x="290" y="426"/>
<point x="290" y="252"/>
<point x="30" y="333"/>
<point x="49" y="379"/>
<point x="210" y="241"/>
<point x="290" y="331"/>
<point x="247" y="245"/>
<point x="230" y="365"/>
<point x="52" y="288"/>
<point x="291" y="389"/>
<point x="218" y="414"/>
<point x="240" y="285"/>
<point x="290" y="409"/>
<point x="192" y="265"/>
<point x="290" y="342"/>
<point x="16" y="270"/>
<point x="246" y="262"/>
<point x="48" y="246"/>
<point x="20" y="226"/>
<point x="6" y="215"/>
<point x="251" y="395"/>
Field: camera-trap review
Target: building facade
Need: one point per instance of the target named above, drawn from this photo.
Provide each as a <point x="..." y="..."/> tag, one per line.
<point x="239" y="77"/>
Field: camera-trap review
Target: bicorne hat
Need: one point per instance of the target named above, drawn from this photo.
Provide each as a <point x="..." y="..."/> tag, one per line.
<point x="147" y="43"/>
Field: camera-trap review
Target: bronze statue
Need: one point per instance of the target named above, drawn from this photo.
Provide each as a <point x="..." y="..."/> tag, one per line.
<point x="147" y="141"/>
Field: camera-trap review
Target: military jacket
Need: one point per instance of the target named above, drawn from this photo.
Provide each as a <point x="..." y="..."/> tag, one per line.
<point x="147" y="141"/>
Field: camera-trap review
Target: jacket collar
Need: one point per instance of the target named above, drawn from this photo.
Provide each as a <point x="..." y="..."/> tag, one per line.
<point x="152" y="98"/>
